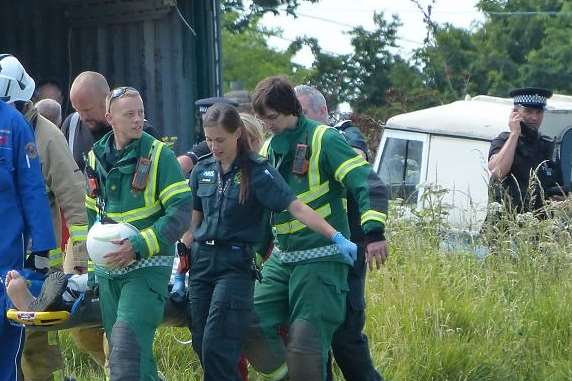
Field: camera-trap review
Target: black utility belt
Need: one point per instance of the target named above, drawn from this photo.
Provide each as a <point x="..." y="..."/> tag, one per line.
<point x="222" y="243"/>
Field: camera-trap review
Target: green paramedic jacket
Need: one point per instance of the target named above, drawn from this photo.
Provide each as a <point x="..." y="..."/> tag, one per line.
<point x="161" y="212"/>
<point x="334" y="168"/>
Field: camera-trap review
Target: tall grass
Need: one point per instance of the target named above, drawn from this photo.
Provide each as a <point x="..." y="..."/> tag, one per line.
<point x="442" y="315"/>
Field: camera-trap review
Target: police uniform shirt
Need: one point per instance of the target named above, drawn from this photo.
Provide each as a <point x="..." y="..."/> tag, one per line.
<point x="216" y="195"/>
<point x="531" y="153"/>
<point x="355" y="139"/>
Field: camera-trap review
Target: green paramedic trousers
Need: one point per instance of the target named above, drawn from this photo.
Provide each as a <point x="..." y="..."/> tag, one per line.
<point x="309" y="299"/>
<point x="132" y="307"/>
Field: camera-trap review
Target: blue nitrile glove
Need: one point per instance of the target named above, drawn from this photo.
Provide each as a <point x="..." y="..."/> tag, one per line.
<point x="179" y="290"/>
<point x="347" y="248"/>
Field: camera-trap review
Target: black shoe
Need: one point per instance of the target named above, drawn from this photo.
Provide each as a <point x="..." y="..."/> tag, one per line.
<point x="50" y="298"/>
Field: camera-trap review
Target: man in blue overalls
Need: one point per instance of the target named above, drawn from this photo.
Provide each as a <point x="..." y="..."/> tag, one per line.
<point x="24" y="209"/>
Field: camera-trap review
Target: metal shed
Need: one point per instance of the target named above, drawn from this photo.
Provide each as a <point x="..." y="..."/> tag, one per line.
<point x="168" y="49"/>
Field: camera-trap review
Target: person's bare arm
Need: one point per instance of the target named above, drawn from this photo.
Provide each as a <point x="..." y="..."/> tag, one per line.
<point x="311" y="219"/>
<point x="501" y="163"/>
<point x="196" y="219"/>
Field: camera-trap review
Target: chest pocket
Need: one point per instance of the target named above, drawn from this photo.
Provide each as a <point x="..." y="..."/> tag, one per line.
<point x="207" y="194"/>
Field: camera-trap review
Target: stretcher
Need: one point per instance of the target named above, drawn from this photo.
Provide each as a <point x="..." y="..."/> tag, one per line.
<point x="86" y="313"/>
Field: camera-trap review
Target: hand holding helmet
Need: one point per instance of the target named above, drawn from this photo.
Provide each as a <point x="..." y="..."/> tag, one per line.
<point x="108" y="244"/>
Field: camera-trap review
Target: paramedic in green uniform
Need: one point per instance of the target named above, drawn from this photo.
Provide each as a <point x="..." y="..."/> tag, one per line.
<point x="304" y="283"/>
<point x="231" y="189"/>
<point x="133" y="285"/>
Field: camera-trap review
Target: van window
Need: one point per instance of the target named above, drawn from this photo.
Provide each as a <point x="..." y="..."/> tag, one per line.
<point x="400" y="168"/>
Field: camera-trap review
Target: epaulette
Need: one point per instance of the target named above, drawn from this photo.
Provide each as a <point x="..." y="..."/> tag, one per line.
<point x="343" y="124"/>
<point x="547" y="138"/>
<point x="204" y="157"/>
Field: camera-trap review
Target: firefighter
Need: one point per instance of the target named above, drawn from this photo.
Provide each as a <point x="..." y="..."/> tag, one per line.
<point x="304" y="283"/>
<point x="24" y="207"/>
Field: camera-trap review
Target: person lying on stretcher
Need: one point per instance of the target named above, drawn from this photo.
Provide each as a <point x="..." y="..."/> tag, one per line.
<point x="60" y="292"/>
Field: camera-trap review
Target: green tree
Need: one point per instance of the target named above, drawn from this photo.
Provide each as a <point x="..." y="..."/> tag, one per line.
<point x="253" y="10"/>
<point x="247" y="58"/>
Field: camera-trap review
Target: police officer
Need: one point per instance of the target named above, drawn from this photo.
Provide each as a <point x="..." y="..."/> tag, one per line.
<point x="231" y="190"/>
<point x="23" y="202"/>
<point x="350" y="344"/>
<point x="515" y="154"/>
<point x="135" y="179"/>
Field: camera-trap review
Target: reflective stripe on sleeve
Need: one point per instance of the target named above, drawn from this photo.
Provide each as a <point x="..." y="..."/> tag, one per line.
<point x="78" y="233"/>
<point x="151" y="241"/>
<point x="372" y="215"/>
<point x="173" y="190"/>
<point x="348" y="166"/>
<point x="56" y="258"/>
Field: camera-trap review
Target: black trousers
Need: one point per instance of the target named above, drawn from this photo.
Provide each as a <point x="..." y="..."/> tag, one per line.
<point x="221" y="286"/>
<point x="350" y="345"/>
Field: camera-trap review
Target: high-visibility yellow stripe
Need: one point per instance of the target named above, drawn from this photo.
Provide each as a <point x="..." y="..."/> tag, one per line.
<point x="372" y="215"/>
<point x="275" y="375"/>
<point x="151" y="241"/>
<point x="78" y="233"/>
<point x="264" y="149"/>
<point x="314" y="167"/>
<point x="149" y="193"/>
<point x="56" y="257"/>
<point x="135" y="214"/>
<point x="90" y="203"/>
<point x="173" y="190"/>
<point x="90" y="265"/>
<point x="314" y="193"/>
<point x="295" y="225"/>
<point x="91" y="159"/>
<point x="347" y="166"/>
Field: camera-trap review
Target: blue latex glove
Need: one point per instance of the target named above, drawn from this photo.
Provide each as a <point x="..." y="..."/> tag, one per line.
<point x="179" y="290"/>
<point x="347" y="248"/>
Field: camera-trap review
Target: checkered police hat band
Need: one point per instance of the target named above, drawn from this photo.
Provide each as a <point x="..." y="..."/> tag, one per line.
<point x="530" y="99"/>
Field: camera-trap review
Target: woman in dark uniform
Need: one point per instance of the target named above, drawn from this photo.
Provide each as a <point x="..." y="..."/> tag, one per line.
<point x="231" y="190"/>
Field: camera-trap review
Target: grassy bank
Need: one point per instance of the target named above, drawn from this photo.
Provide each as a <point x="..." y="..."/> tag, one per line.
<point x="435" y="315"/>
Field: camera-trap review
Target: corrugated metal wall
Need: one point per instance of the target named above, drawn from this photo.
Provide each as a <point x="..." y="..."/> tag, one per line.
<point x="157" y="54"/>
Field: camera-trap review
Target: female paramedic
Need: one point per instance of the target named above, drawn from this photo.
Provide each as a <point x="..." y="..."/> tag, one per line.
<point x="231" y="190"/>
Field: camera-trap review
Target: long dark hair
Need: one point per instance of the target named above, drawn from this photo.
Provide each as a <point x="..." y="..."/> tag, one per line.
<point x="226" y="116"/>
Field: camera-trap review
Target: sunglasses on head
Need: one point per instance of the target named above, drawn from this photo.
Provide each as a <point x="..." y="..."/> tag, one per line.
<point x="118" y="92"/>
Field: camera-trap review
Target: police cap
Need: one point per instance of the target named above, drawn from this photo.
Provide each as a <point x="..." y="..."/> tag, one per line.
<point x="205" y="103"/>
<point x="533" y="97"/>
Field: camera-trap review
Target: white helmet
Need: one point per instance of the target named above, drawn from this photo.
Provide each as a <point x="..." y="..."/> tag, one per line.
<point x="100" y="236"/>
<point x="15" y="83"/>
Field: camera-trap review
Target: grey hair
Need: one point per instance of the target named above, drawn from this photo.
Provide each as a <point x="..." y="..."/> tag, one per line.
<point x="316" y="98"/>
<point x="51" y="110"/>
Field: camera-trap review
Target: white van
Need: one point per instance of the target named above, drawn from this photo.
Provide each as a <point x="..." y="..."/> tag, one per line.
<point x="447" y="146"/>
